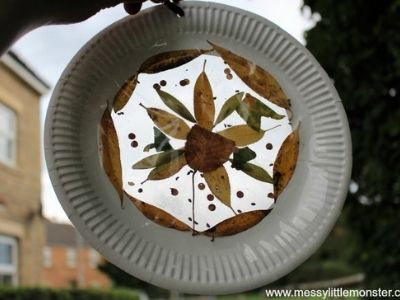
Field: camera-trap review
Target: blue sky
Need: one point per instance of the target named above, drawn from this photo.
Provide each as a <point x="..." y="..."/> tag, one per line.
<point x="49" y="49"/>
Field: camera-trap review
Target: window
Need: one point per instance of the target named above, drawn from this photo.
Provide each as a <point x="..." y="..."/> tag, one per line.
<point x="8" y="261"/>
<point x="8" y="135"/>
<point x="47" y="257"/>
<point x="93" y="258"/>
<point x="71" y="257"/>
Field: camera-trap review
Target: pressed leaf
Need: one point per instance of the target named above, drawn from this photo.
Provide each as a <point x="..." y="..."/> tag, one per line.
<point x="158" y="215"/>
<point x="176" y="105"/>
<point x="257" y="172"/>
<point x="169" y="60"/>
<point x="255" y="77"/>
<point x="161" y="141"/>
<point x="124" y="94"/>
<point x="169" y="123"/>
<point x="229" y="107"/>
<point x="110" y="153"/>
<point x="158" y="159"/>
<point x="169" y="169"/>
<point x="286" y="161"/>
<point x="204" y="109"/>
<point x="242" y="135"/>
<point x="218" y="182"/>
<point x="241" y="157"/>
<point x="205" y="151"/>
<point x="251" y="110"/>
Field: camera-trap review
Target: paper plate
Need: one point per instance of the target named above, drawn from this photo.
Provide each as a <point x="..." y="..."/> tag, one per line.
<point x="300" y="220"/>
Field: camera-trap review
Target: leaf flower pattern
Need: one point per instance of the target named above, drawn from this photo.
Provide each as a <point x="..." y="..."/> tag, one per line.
<point x="206" y="151"/>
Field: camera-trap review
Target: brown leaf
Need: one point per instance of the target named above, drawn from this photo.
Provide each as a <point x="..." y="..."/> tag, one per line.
<point x="255" y="77"/>
<point x="286" y="161"/>
<point x="169" y="169"/>
<point x="110" y="153"/>
<point x="206" y="151"/>
<point x="169" y="60"/>
<point x="168" y="123"/>
<point x="218" y="182"/>
<point x="237" y="224"/>
<point x="204" y="109"/>
<point x="124" y="94"/>
<point x="242" y="135"/>
<point x="158" y="216"/>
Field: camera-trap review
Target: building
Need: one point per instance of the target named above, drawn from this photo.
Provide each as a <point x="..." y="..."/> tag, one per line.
<point x="68" y="261"/>
<point x="21" y="222"/>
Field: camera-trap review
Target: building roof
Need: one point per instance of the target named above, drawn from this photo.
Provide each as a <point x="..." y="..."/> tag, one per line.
<point x="62" y="235"/>
<point x="19" y="67"/>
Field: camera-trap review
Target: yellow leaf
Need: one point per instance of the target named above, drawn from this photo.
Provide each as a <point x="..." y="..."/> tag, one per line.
<point x="218" y="182"/>
<point x="110" y="153"/>
<point x="168" y="123"/>
<point x="242" y="135"/>
<point x="204" y="109"/>
<point x="169" y="169"/>
<point x="286" y="161"/>
<point x="169" y="60"/>
<point x="255" y="77"/>
<point x="124" y="94"/>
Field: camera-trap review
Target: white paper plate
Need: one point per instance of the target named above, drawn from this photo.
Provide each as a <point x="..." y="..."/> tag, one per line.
<point x="306" y="210"/>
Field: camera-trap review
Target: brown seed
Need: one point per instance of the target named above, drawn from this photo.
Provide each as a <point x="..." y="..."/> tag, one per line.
<point x="134" y="144"/>
<point x="184" y="82"/>
<point x="163" y="83"/>
<point x="174" y="192"/>
<point x="271" y="165"/>
<point x="130" y="183"/>
<point x="229" y="76"/>
<point x="253" y="204"/>
<point x="271" y="195"/>
<point x="201" y="186"/>
<point x="240" y="194"/>
<point x="190" y="200"/>
<point x="227" y="71"/>
<point x="269" y="146"/>
<point x="211" y="207"/>
<point x="210" y="197"/>
<point x="239" y="211"/>
<point x="140" y="190"/>
<point x="156" y="86"/>
<point x="131" y="136"/>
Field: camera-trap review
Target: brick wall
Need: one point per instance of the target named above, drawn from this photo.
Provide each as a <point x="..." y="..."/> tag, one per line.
<point x="61" y="274"/>
<point x="20" y="186"/>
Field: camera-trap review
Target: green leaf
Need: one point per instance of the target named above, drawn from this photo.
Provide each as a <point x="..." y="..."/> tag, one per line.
<point x="158" y="159"/>
<point x="229" y="107"/>
<point x="161" y="141"/>
<point x="251" y="110"/>
<point x="168" y="169"/>
<point x="149" y="147"/>
<point x="257" y="173"/>
<point x="241" y="157"/>
<point x="176" y="105"/>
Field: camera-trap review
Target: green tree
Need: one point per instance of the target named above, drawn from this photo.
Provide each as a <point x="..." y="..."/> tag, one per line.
<point x="358" y="44"/>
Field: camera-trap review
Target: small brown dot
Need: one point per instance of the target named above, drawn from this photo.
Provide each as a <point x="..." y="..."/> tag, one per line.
<point x="202" y="175"/>
<point x="201" y="186"/>
<point x="132" y="136"/>
<point x="269" y="146"/>
<point x="190" y="219"/>
<point x="214" y="98"/>
<point x="184" y="82"/>
<point x="177" y="178"/>
<point x="195" y="222"/>
<point x="222" y="177"/>
<point x="239" y="211"/>
<point x="163" y="83"/>
<point x="271" y="195"/>
<point x="134" y="144"/>
<point x="156" y="86"/>
<point x="120" y="113"/>
<point x="190" y="200"/>
<point x="227" y="71"/>
<point x="174" y="192"/>
<point x="140" y="190"/>
<point x="211" y="207"/>
<point x="240" y="194"/>
<point x="210" y="197"/>
<point x="208" y="225"/>
<point x="253" y="204"/>
<point x="271" y="165"/>
<point x="237" y="91"/>
<point x="130" y="183"/>
<point x="229" y="76"/>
